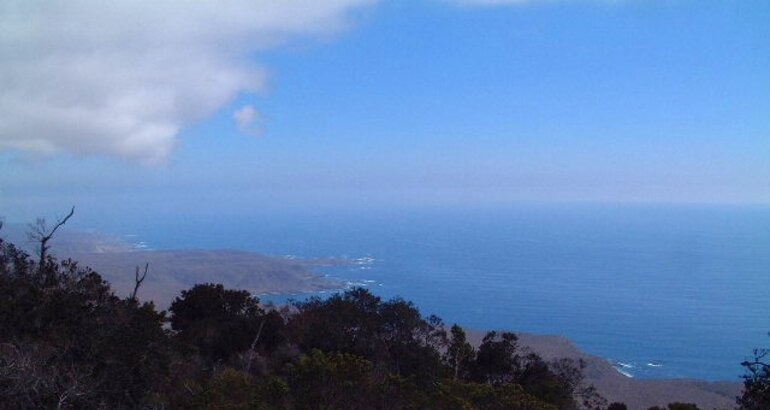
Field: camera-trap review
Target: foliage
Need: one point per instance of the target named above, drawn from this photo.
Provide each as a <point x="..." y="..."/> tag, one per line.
<point x="332" y="380"/>
<point x="392" y="335"/>
<point x="756" y="384"/>
<point x="69" y="341"/>
<point x="497" y="360"/>
<point x="221" y="323"/>
<point x="500" y="396"/>
<point x="459" y="355"/>
<point x="677" y="406"/>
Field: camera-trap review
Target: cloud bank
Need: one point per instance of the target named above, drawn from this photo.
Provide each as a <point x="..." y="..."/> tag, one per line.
<point x="123" y="77"/>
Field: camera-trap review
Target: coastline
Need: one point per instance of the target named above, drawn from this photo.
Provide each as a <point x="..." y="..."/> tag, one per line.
<point x="172" y="271"/>
<point x="637" y="394"/>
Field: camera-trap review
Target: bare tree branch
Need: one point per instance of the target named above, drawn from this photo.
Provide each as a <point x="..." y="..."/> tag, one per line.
<point x="63" y="399"/>
<point x="139" y="279"/>
<point x="40" y="233"/>
<point x="755" y="363"/>
<point x="252" y="350"/>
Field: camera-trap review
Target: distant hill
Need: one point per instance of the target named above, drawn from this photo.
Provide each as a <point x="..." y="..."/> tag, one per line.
<point x="171" y="271"/>
<point x="68" y="241"/>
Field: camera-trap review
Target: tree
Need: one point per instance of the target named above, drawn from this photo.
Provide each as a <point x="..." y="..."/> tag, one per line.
<point x="617" y="406"/>
<point x="538" y="379"/>
<point x="756" y="383"/>
<point x="459" y="354"/>
<point x="218" y="322"/>
<point x="559" y="382"/>
<point x="392" y="334"/>
<point x="497" y="360"/>
<point x="347" y="322"/>
<point x="571" y="382"/>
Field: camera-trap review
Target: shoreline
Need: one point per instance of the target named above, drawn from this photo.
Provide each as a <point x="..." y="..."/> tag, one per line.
<point x="172" y="271"/>
<point x="636" y="393"/>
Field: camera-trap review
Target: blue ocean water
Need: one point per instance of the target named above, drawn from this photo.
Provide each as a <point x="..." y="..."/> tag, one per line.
<point x="663" y="291"/>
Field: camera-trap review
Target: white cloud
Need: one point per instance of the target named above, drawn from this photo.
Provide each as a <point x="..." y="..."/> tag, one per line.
<point x="123" y="77"/>
<point x="246" y="119"/>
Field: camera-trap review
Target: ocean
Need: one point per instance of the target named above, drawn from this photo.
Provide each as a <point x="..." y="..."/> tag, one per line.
<point x="661" y="291"/>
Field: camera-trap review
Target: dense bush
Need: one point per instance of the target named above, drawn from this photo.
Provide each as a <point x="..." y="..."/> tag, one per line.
<point x="66" y="338"/>
<point x="222" y="323"/>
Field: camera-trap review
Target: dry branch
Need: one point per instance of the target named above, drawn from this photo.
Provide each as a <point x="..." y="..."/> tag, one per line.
<point x="139" y="279"/>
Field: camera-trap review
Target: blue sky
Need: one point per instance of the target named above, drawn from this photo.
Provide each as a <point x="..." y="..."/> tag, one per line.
<point x="373" y="104"/>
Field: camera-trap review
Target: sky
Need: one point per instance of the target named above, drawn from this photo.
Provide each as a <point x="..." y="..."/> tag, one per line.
<point x="125" y="108"/>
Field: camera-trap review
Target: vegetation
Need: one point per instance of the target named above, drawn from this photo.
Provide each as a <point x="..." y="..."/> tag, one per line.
<point x="677" y="406"/>
<point x="756" y="383"/>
